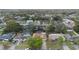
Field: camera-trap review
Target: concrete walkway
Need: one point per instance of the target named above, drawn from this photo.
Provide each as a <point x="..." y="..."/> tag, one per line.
<point x="12" y="47"/>
<point x="44" y="47"/>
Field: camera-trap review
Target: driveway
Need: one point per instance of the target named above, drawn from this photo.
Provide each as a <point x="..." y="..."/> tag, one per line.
<point x="44" y="44"/>
<point x="17" y="43"/>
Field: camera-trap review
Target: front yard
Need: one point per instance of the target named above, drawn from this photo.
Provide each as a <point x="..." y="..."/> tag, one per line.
<point x="58" y="44"/>
<point x="55" y="44"/>
<point x="22" y="45"/>
<point x="5" y="44"/>
<point x="70" y="44"/>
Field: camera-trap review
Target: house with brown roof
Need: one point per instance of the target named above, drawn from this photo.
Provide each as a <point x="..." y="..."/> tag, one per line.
<point x="40" y="34"/>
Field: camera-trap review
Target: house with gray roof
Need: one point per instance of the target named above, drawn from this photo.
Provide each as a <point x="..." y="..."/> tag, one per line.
<point x="7" y="36"/>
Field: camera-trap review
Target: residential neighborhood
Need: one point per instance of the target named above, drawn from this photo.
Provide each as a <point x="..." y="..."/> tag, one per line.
<point x="39" y="29"/>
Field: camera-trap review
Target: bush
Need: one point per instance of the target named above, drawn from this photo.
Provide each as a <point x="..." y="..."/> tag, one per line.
<point x="12" y="26"/>
<point x="61" y="39"/>
<point x="35" y="43"/>
<point x="57" y="18"/>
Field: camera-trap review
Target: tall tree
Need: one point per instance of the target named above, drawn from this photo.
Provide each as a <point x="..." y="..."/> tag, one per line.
<point x="56" y="27"/>
<point x="12" y="26"/>
<point x="57" y="18"/>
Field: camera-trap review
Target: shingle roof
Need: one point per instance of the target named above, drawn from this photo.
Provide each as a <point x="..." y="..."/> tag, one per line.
<point x="6" y="36"/>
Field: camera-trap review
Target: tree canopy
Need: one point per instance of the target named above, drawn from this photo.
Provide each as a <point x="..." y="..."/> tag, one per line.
<point x="57" y="18"/>
<point x="12" y="26"/>
<point x="56" y="28"/>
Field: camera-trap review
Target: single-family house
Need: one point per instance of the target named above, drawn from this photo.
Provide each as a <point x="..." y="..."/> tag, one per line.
<point x="68" y="37"/>
<point x="32" y="15"/>
<point x="69" y="23"/>
<point x="8" y="36"/>
<point x="29" y="22"/>
<point x="37" y="22"/>
<point x="40" y="34"/>
<point x="25" y="35"/>
<point x="18" y="18"/>
<point x="18" y="37"/>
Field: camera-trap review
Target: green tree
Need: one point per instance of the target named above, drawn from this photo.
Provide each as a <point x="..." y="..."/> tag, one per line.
<point x="26" y="17"/>
<point x="76" y="28"/>
<point x="12" y="26"/>
<point x="35" y="43"/>
<point x="50" y="28"/>
<point x="56" y="28"/>
<point x="60" y="28"/>
<point x="57" y="18"/>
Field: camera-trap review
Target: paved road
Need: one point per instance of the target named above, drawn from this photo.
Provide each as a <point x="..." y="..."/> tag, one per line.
<point x="44" y="45"/>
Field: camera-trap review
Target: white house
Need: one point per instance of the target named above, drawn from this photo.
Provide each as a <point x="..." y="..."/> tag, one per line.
<point x="29" y="21"/>
<point x="40" y="34"/>
<point x="69" y="23"/>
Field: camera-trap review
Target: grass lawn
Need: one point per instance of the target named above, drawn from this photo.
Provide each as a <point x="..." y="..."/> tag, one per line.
<point x="70" y="44"/>
<point x="57" y="44"/>
<point x="0" y="32"/>
<point x="1" y="43"/>
<point x="54" y="44"/>
<point x="5" y="43"/>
